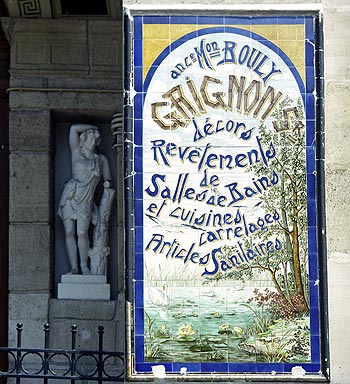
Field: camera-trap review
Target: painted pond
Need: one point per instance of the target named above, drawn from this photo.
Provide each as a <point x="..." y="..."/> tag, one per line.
<point x="196" y="324"/>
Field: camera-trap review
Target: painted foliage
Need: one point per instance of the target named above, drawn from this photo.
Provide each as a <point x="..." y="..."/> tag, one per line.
<point x="226" y="259"/>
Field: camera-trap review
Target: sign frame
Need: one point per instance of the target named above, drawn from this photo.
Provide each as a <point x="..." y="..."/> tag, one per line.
<point x="141" y="71"/>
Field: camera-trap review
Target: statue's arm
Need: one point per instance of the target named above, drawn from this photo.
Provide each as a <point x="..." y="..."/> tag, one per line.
<point x="74" y="134"/>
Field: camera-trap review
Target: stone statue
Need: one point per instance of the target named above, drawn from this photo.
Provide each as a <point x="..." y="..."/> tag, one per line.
<point x="77" y="207"/>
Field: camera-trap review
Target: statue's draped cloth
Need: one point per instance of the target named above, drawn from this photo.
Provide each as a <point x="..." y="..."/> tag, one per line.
<point x="77" y="196"/>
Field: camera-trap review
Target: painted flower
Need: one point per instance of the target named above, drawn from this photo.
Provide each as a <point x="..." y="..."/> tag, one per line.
<point x="186" y="330"/>
<point x="178" y="314"/>
<point x="162" y="332"/>
<point x="224" y="327"/>
<point x="238" y="330"/>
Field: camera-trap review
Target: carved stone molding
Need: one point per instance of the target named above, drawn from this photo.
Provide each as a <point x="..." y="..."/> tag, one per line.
<point x="29" y="8"/>
<point x="52" y="9"/>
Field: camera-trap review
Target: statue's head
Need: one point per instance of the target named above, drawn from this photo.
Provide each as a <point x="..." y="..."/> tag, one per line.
<point x="92" y="135"/>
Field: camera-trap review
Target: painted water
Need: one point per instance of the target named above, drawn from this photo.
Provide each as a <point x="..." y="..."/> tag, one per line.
<point x="197" y="323"/>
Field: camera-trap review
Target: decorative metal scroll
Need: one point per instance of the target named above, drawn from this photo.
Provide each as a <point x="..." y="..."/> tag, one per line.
<point x="64" y="364"/>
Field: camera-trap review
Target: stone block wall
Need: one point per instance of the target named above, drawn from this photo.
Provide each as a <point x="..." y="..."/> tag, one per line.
<point x="337" y="93"/>
<point x="61" y="71"/>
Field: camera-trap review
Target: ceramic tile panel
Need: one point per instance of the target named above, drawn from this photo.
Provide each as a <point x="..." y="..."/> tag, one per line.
<point x="227" y="245"/>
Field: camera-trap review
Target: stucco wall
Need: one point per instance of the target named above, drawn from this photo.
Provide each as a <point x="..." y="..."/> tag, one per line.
<point x="56" y="55"/>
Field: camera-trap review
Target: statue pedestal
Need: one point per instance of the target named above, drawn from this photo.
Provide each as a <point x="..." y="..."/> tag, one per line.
<point x="84" y="287"/>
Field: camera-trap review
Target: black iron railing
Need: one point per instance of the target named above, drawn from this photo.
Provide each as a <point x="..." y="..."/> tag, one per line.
<point x="64" y="364"/>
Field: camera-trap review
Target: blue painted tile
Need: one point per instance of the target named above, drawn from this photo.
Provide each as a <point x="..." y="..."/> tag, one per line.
<point x="315" y="368"/>
<point x="269" y="367"/>
<point x="139" y="349"/>
<point x="139" y="267"/>
<point x="138" y="86"/>
<point x="214" y="367"/>
<point x="183" y="19"/>
<point x="138" y="153"/>
<point x="231" y="367"/>
<point x="242" y="367"/>
<point x="167" y="365"/>
<point x="138" y="53"/>
<point x="138" y="106"/>
<point x="312" y="236"/>
<point x="137" y="27"/>
<point x="274" y="48"/>
<point x="310" y="160"/>
<point x="310" y="106"/>
<point x="139" y="213"/>
<point x="310" y="132"/>
<point x="138" y="132"/>
<point x="311" y="368"/>
<point x="311" y="185"/>
<point x="154" y="66"/>
<point x="315" y="349"/>
<point x="310" y="28"/>
<point x="212" y="29"/>
<point x="138" y="185"/>
<point x="182" y="39"/>
<point x="313" y="263"/>
<point x="313" y="294"/>
<point x="143" y="367"/>
<point x="228" y="20"/>
<point x="138" y="240"/>
<point x="287" y="20"/>
<point x="139" y="325"/>
<point x="151" y="72"/>
<point x="156" y="19"/>
<point x="233" y="29"/>
<point x="309" y="54"/>
<point x="310" y="79"/>
<point x="191" y="367"/>
<point x="210" y="20"/>
<point x="311" y="212"/>
<point x="314" y="322"/>
<point x="260" y="38"/>
<point x="264" y="20"/>
<point x="138" y="292"/>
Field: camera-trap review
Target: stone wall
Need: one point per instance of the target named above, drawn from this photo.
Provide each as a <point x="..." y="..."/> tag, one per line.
<point x="337" y="92"/>
<point x="61" y="72"/>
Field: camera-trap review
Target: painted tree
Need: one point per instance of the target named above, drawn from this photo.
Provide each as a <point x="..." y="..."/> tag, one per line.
<point x="286" y="267"/>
